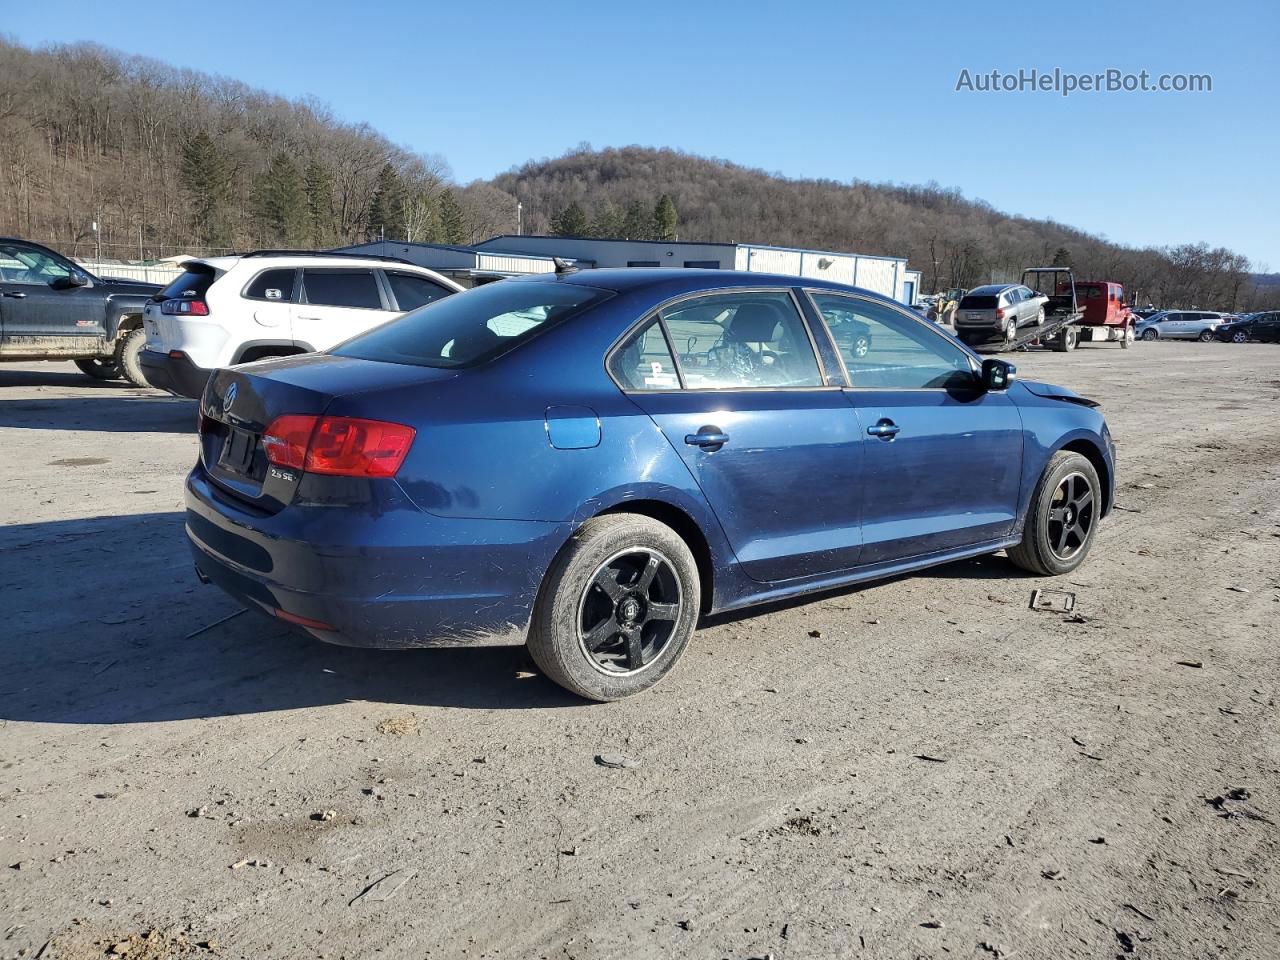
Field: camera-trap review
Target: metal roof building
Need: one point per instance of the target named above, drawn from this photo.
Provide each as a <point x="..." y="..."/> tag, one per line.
<point x="467" y="265"/>
<point x="886" y="275"/>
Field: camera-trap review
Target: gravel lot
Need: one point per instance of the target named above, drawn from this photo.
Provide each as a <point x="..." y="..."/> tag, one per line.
<point x="942" y="772"/>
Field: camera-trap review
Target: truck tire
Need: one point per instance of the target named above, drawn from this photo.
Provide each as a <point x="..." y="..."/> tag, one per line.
<point x="617" y="607"/>
<point x="1065" y="341"/>
<point x="128" y="357"/>
<point x="99" y="369"/>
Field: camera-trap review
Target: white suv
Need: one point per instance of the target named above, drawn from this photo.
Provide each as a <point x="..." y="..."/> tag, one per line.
<point x="227" y="310"/>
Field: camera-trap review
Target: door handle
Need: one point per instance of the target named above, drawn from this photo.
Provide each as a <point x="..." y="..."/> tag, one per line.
<point x="885" y="429"/>
<point x="16" y="294"/>
<point x="709" y="438"/>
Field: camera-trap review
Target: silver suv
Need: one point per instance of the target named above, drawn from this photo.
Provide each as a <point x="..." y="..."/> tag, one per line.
<point x="998" y="310"/>
<point x="1181" y="325"/>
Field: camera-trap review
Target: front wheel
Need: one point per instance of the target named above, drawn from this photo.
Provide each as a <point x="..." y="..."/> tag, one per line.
<point x="129" y="357"/>
<point x="617" y="607"/>
<point x="1063" y="517"/>
<point x="1150" y="335"/>
<point x="1239" y="336"/>
<point x="99" y="369"/>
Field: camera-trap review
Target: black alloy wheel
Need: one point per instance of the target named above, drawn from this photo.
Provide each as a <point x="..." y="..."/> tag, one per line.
<point x="628" y="611"/>
<point x="1071" y="516"/>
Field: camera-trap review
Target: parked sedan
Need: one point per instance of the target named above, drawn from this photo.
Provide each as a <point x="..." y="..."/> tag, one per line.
<point x="1180" y="325"/>
<point x="997" y="310"/>
<point x="1253" y="326"/>
<point x="589" y="462"/>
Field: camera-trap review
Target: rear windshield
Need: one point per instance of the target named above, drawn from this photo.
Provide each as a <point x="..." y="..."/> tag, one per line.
<point x="472" y="326"/>
<point x="1087" y="292"/>
<point x="193" y="282"/>
<point x="978" y="303"/>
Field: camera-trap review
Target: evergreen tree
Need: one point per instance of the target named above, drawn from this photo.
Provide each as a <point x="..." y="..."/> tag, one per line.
<point x="453" y="225"/>
<point x="280" y="203"/>
<point x="570" y="222"/>
<point x="607" y="222"/>
<point x="1062" y="258"/>
<point x="638" y="222"/>
<point x="206" y="176"/>
<point x="665" y="221"/>
<point x="385" y="220"/>
<point x="318" y="187"/>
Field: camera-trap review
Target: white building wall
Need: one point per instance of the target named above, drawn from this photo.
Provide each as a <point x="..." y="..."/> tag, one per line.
<point x="767" y="260"/>
<point x="512" y="264"/>
<point x="827" y="266"/>
<point x="879" y="276"/>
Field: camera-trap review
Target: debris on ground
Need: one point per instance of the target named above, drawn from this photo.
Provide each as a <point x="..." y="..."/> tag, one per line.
<point x="1054" y="601"/>
<point x="925" y="756"/>
<point x="385" y="888"/>
<point x="324" y="816"/>
<point x="617" y="761"/>
<point x="398" y="726"/>
<point x="816" y="634"/>
<point x="1197" y="664"/>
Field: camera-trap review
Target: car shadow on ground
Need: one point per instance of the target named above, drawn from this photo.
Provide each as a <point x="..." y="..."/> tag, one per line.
<point x="141" y="413"/>
<point x="102" y="628"/>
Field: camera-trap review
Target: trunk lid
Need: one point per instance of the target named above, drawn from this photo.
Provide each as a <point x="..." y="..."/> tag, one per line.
<point x="241" y="402"/>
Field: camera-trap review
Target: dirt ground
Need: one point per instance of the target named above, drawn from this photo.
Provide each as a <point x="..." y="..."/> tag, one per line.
<point x="942" y="772"/>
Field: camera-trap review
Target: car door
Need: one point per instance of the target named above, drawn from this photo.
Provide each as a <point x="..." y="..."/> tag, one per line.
<point x="336" y="303"/>
<point x="774" y="447"/>
<point x="1026" y="306"/>
<point x="1173" y="326"/>
<point x="1266" y="328"/>
<point x="410" y="291"/>
<point x="271" y="295"/>
<point x="42" y="313"/>
<point x="943" y="462"/>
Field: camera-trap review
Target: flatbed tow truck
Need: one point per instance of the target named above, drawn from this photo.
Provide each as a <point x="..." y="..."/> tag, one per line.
<point x="1063" y="326"/>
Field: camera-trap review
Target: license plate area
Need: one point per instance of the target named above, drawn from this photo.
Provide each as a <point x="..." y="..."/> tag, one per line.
<point x="237" y="451"/>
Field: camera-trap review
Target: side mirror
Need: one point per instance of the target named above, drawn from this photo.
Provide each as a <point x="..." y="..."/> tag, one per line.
<point x="72" y="280"/>
<point x="997" y="374"/>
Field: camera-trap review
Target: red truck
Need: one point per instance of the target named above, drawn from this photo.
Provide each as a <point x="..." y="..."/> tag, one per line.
<point x="1103" y="314"/>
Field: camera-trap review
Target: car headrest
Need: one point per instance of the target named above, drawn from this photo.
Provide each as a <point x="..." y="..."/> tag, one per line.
<point x="754" y="323"/>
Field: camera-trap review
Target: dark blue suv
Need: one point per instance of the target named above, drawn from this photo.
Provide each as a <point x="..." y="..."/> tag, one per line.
<point x="587" y="462"/>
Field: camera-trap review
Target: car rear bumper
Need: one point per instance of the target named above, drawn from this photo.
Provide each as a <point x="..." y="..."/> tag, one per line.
<point x="177" y="374"/>
<point x="379" y="573"/>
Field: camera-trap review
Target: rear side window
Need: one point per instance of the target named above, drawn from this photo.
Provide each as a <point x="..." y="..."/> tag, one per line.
<point x="272" y="285"/>
<point x="412" y="292"/>
<point x="473" y="326"/>
<point x="980" y="302"/>
<point x="193" y="283"/>
<point x="644" y="361"/>
<point x="342" y="288"/>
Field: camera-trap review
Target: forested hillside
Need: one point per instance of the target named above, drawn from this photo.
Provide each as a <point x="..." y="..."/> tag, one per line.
<point x="953" y="240"/>
<point x="168" y="161"/>
<point x="171" y="161"/>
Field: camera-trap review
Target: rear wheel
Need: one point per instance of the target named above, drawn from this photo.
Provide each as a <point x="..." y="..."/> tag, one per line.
<point x="1063" y="517"/>
<point x="129" y="357"/>
<point x="99" y="369"/>
<point x="1066" y="340"/>
<point x="617" y="607"/>
<point x="1206" y="336"/>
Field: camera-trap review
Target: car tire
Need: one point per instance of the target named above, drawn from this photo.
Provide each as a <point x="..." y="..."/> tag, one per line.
<point x="1150" y="335"/>
<point x="1239" y="336"/>
<point x="129" y="357"/>
<point x="99" y="369"/>
<point x="1056" y="539"/>
<point x="594" y="629"/>
<point x="1206" y="336"/>
<point x="861" y="346"/>
<point x="1040" y="317"/>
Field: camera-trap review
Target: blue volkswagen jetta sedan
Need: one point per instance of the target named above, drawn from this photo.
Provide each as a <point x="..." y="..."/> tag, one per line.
<point x="587" y="462"/>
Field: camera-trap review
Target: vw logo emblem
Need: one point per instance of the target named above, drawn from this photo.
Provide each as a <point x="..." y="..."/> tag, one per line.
<point x="229" y="398"/>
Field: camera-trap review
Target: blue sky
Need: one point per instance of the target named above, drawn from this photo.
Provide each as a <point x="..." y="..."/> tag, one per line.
<point x="813" y="89"/>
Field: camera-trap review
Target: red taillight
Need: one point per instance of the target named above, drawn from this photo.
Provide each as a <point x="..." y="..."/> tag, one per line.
<point x="304" y="621"/>
<point x="999" y="313"/>
<point x="286" y="439"/>
<point x="185" y="308"/>
<point x="338" y="446"/>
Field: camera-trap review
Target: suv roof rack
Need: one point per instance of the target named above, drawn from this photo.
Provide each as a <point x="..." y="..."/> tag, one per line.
<point x="325" y="253"/>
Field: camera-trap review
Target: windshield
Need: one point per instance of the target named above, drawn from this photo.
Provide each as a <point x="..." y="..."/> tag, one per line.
<point x="473" y="326"/>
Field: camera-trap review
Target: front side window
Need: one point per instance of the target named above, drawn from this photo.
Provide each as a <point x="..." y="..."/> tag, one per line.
<point x="887" y="350"/>
<point x="342" y="288"/>
<point x="22" y="264"/>
<point x="412" y="291"/>
<point x="644" y="361"/>
<point x="740" y="341"/>
<point x="473" y="326"/>
<point x="272" y="285"/>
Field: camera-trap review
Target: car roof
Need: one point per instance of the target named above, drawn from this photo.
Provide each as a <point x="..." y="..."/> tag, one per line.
<point x="990" y="288"/>
<point x="267" y="260"/>
<point x="677" y="280"/>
